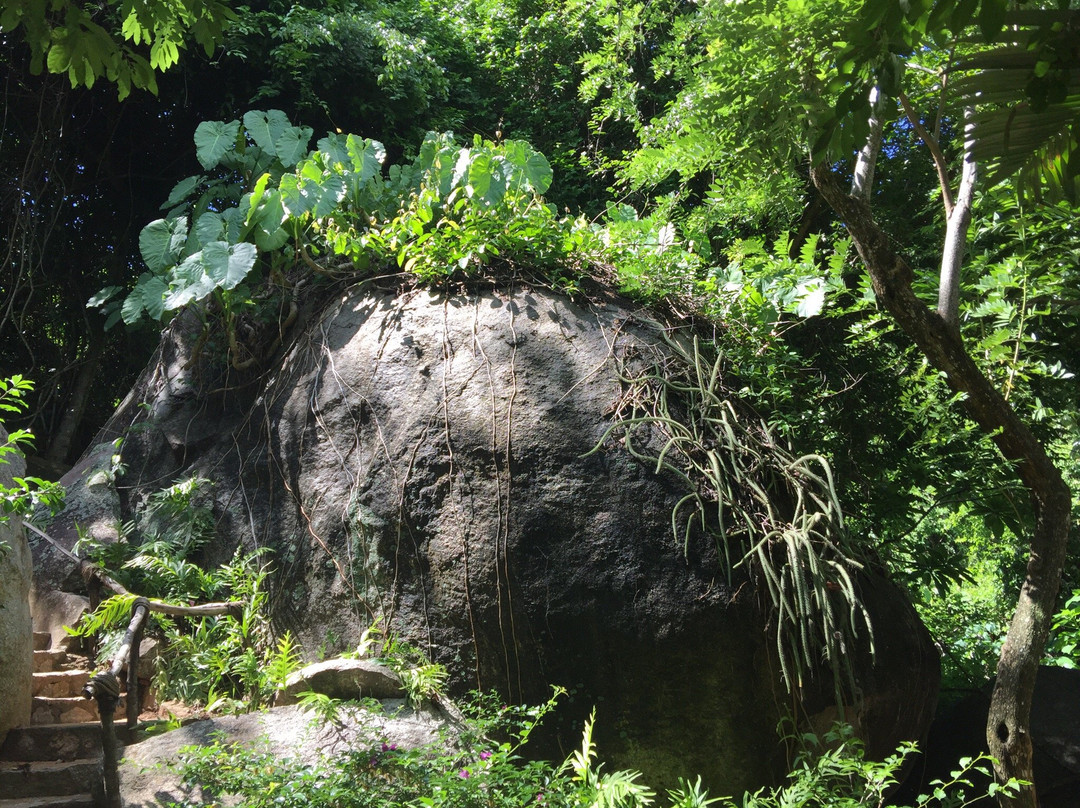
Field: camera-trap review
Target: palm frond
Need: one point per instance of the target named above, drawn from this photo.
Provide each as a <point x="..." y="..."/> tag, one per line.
<point x="1026" y="93"/>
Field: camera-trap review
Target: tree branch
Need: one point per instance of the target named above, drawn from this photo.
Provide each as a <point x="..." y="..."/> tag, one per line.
<point x="940" y="163"/>
<point x="1008" y="725"/>
<point x="956" y="233"/>
<point x="862" y="179"/>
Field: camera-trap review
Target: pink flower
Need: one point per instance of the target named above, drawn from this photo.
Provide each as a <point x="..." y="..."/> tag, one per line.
<point x="485" y="755"/>
<point x="463" y="774"/>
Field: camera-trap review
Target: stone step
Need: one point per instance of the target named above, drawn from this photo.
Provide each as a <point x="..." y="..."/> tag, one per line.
<point x="70" y="710"/>
<point x="60" y="683"/>
<point x="63" y="801"/>
<point x="50" y="660"/>
<point x="48" y="778"/>
<point x="42" y="640"/>
<point x="52" y="742"/>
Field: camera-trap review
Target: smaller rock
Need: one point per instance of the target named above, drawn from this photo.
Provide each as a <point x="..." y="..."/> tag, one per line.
<point x="52" y="610"/>
<point x="343" y="679"/>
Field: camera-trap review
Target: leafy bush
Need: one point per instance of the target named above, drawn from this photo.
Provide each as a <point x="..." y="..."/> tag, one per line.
<point x="266" y="204"/>
<point x="26" y="493"/>
<point x="223" y="661"/>
<point x="475" y="770"/>
<point x="1063" y="649"/>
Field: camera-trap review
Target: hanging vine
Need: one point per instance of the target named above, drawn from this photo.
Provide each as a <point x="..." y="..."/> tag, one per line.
<point x="769" y="510"/>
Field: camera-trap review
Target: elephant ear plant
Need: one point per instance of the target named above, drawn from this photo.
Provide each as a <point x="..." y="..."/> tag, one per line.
<point x="268" y="215"/>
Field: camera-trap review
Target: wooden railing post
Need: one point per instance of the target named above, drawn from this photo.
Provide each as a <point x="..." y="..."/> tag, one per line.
<point x="104" y="688"/>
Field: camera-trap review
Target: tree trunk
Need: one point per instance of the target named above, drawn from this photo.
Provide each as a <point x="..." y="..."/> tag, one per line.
<point x="1010" y="707"/>
<point x="956" y="235"/>
<point x="60" y="445"/>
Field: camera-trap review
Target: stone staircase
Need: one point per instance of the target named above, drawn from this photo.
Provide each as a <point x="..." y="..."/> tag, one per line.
<point x="56" y="761"/>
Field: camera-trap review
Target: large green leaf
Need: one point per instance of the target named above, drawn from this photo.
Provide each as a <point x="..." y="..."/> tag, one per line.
<point x="367" y="156"/>
<point x="162" y="241"/>
<point x="148" y="296"/>
<point x="228" y="265"/>
<point x="486" y="178"/>
<point x="266" y="127"/>
<point x="298" y="196"/>
<point x="534" y="168"/>
<point x="335" y="151"/>
<point x="189" y="282"/>
<point x="292" y="145"/>
<point x="213" y="139"/>
<point x="182" y="190"/>
<point x="209" y="227"/>
<point x="266" y="214"/>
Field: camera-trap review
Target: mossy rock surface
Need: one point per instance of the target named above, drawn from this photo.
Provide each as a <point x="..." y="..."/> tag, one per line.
<point x="425" y="458"/>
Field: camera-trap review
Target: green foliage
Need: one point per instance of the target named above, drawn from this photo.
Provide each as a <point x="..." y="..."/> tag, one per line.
<point x="745" y="76"/>
<point x="759" y="286"/>
<point x="83" y="42"/>
<point x="1014" y="68"/>
<point x="1063" y="649"/>
<point x="25" y="494"/>
<point x="469" y="771"/>
<point x="474" y="770"/>
<point x="604" y="790"/>
<point x="833" y="770"/>
<point x="268" y="204"/>
<point x="223" y="662"/>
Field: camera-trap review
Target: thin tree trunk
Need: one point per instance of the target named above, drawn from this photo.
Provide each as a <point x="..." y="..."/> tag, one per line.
<point x="60" y="445"/>
<point x="956" y="233"/>
<point x="1010" y="708"/>
<point x="862" y="179"/>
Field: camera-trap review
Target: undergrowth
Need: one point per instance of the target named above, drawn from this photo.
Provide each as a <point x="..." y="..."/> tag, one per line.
<point x="473" y="768"/>
<point x="222" y="662"/>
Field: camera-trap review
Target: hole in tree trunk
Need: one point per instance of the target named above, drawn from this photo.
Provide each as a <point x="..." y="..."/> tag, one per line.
<point x="1002" y="732"/>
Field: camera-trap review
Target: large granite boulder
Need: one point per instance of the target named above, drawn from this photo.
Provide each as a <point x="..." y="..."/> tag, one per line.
<point x="959" y="731"/>
<point x="423" y="459"/>
<point x="16" y="632"/>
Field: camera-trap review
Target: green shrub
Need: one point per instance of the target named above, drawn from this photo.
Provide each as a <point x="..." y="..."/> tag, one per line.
<point x="475" y="770"/>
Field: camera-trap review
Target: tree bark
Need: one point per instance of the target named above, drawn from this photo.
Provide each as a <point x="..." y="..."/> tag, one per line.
<point x="862" y="179"/>
<point x="956" y="233"/>
<point x="60" y="445"/>
<point x="1010" y="708"/>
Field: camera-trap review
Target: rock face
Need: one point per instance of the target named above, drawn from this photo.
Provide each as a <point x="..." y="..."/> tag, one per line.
<point x="16" y="633"/>
<point x="147" y="781"/>
<point x="423" y="460"/>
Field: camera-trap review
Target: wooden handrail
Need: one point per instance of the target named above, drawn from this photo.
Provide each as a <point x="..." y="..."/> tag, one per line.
<point x="104" y="687"/>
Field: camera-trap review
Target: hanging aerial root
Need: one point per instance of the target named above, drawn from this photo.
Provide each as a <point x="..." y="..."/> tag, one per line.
<point x="777" y="513"/>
